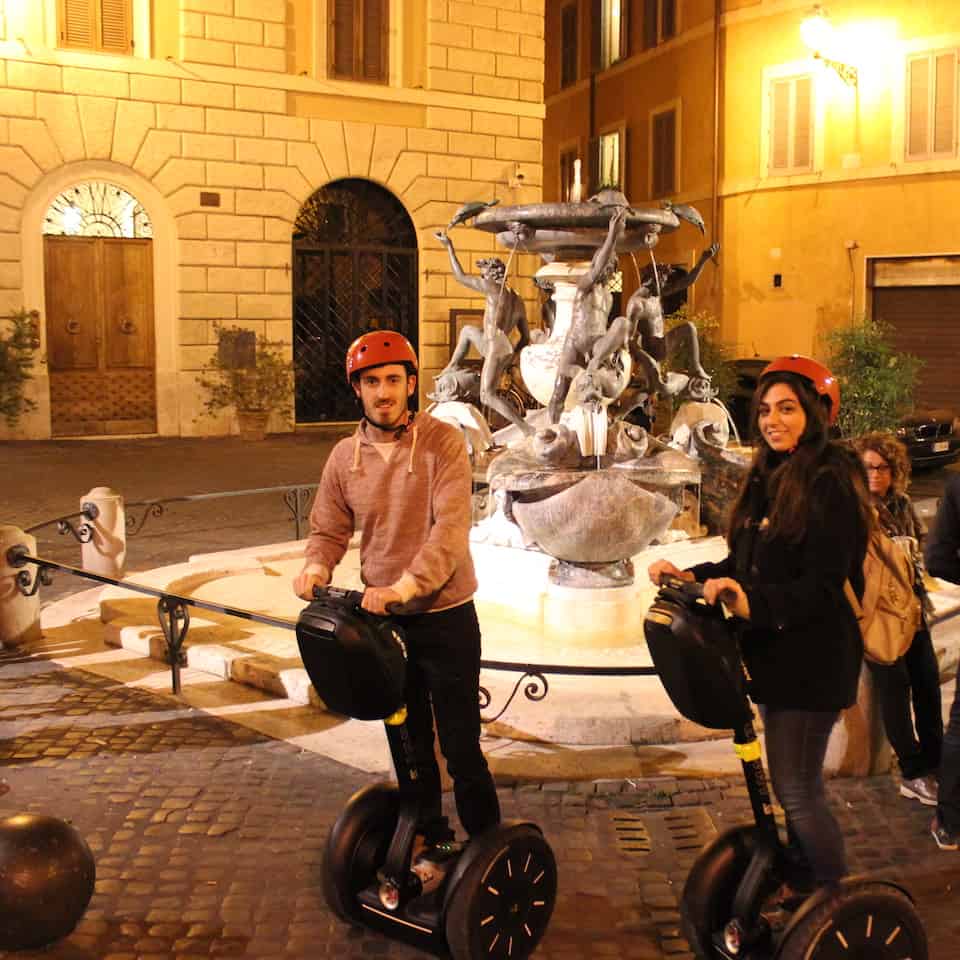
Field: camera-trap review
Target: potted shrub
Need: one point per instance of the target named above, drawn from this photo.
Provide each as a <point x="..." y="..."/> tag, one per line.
<point x="19" y="340"/>
<point x="876" y="380"/>
<point x="249" y="374"/>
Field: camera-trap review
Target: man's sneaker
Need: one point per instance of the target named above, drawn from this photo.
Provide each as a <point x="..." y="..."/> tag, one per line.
<point x="944" y="838"/>
<point x="923" y="789"/>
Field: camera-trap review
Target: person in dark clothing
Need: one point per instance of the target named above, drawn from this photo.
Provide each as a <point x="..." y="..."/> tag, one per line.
<point x="798" y="531"/>
<point x="915" y="677"/>
<point x="942" y="555"/>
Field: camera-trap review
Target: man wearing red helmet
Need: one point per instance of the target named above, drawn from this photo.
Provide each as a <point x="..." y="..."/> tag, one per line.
<point x="405" y="483"/>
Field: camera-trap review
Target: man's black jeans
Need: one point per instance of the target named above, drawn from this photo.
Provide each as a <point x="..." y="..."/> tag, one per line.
<point x="948" y="804"/>
<point x="443" y="669"/>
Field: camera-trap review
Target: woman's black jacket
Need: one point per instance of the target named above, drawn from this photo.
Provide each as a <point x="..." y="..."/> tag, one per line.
<point x="802" y="645"/>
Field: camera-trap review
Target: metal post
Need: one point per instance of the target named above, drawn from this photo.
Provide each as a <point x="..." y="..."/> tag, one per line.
<point x="174" y="622"/>
<point x="106" y="551"/>
<point x="19" y="613"/>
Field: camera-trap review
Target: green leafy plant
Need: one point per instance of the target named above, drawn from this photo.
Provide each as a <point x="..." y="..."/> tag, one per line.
<point x="715" y="355"/>
<point x="262" y="384"/>
<point x="876" y="381"/>
<point x="18" y="343"/>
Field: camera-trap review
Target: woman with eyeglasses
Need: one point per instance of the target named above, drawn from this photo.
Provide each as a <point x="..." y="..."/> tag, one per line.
<point x="915" y="677"/>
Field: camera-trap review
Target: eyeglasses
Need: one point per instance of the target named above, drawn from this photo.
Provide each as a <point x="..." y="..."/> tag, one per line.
<point x="877" y="467"/>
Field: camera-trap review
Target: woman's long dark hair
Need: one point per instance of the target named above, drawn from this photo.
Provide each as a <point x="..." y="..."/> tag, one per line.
<point x="786" y="482"/>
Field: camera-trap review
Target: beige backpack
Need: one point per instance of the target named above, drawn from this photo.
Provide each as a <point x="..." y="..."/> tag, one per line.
<point x="889" y="614"/>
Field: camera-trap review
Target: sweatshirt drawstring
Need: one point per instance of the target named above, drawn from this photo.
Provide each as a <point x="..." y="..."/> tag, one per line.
<point x="356" y="452"/>
<point x="413" y="446"/>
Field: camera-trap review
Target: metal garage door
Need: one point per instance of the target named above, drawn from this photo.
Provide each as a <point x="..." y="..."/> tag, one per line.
<point x="926" y="323"/>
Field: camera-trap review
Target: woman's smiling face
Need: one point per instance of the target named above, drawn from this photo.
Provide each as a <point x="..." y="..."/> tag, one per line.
<point x="781" y="418"/>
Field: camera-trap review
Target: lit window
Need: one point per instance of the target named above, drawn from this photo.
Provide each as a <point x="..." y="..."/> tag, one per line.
<point x="105" y="25"/>
<point x="932" y="105"/>
<point x="568" y="160"/>
<point x="663" y="153"/>
<point x="97" y="209"/>
<point x="659" y="22"/>
<point x="791" y="125"/>
<point x="605" y="162"/>
<point x="359" y="40"/>
<point x="613" y="23"/>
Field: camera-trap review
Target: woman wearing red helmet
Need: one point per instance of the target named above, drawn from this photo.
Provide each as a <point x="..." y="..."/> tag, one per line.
<point x="798" y="531"/>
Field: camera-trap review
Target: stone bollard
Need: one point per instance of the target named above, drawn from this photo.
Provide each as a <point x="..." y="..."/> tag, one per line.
<point x="106" y="553"/>
<point x="19" y="615"/>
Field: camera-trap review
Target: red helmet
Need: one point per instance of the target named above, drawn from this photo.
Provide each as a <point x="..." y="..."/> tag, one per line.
<point x="377" y="348"/>
<point x="819" y="377"/>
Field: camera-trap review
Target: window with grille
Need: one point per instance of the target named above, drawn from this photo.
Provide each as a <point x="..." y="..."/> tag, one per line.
<point x="359" y="37"/>
<point x="568" y="45"/>
<point x="659" y="22"/>
<point x="663" y="153"/>
<point x="932" y="105"/>
<point x="105" y="25"/>
<point x="791" y="125"/>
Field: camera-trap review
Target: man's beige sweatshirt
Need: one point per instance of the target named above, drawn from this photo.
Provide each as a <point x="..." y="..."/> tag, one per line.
<point x="413" y="511"/>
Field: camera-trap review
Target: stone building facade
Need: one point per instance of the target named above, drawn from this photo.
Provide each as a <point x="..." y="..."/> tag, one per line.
<point x="222" y="119"/>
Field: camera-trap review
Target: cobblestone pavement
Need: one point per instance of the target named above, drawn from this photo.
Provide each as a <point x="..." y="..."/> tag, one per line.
<point x="208" y="835"/>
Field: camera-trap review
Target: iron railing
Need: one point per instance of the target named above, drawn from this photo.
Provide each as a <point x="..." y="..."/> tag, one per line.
<point x="174" y="617"/>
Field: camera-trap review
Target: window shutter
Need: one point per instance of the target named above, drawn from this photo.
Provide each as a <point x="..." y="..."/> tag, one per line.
<point x="116" y="26"/>
<point x="664" y="153"/>
<point x="918" y="84"/>
<point x="668" y="19"/>
<point x="649" y="24"/>
<point x="568" y="44"/>
<point x="375" y="39"/>
<point x="78" y="23"/>
<point x="592" y="185"/>
<point x="624" y="29"/>
<point x="780" y="125"/>
<point x="341" y="38"/>
<point x="945" y="103"/>
<point x="803" y="121"/>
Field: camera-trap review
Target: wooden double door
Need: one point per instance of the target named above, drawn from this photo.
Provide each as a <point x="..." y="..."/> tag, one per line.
<point x="100" y="335"/>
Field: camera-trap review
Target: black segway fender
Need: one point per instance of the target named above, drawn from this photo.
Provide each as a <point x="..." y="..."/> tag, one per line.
<point x="357" y="845"/>
<point x="711" y="885"/>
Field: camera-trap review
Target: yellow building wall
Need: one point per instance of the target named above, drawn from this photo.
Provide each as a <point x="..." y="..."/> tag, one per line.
<point x="863" y="199"/>
<point x="224" y="115"/>
<point x="815" y="230"/>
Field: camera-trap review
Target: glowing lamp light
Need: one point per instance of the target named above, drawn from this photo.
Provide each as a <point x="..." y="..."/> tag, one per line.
<point x="818" y="34"/>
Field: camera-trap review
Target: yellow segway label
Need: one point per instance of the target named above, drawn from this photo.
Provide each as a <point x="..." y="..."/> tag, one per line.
<point x="747" y="751"/>
<point x="395" y="719"/>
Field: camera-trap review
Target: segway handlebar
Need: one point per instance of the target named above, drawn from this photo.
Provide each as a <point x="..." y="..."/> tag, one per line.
<point x="352" y="598"/>
<point x="689" y="588"/>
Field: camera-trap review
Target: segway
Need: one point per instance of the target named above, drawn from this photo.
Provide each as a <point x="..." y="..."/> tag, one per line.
<point x="727" y="909"/>
<point x="490" y="898"/>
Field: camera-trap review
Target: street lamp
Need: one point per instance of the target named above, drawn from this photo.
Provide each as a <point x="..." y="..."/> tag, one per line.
<point x="819" y="36"/>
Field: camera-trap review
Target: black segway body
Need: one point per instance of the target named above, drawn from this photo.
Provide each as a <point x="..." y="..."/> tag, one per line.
<point x="355" y="660"/>
<point x="495" y="898"/>
<point x="726" y="910"/>
<point x="696" y="655"/>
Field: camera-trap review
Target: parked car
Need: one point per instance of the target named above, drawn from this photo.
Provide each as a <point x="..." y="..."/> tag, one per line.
<point x="931" y="436"/>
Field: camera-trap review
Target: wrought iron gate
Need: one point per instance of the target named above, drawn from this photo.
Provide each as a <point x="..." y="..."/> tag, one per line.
<point x="355" y="269"/>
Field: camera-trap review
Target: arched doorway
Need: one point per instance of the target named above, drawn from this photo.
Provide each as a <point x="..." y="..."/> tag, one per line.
<point x="98" y="285"/>
<point x="355" y="269"/>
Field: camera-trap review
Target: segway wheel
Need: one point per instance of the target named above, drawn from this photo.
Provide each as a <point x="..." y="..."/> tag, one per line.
<point x="357" y="846"/>
<point x="503" y="902"/>
<point x="876" y="921"/>
<point x="708" y="894"/>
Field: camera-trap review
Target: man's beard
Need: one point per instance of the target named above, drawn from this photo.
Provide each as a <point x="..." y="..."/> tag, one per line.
<point x="376" y="417"/>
